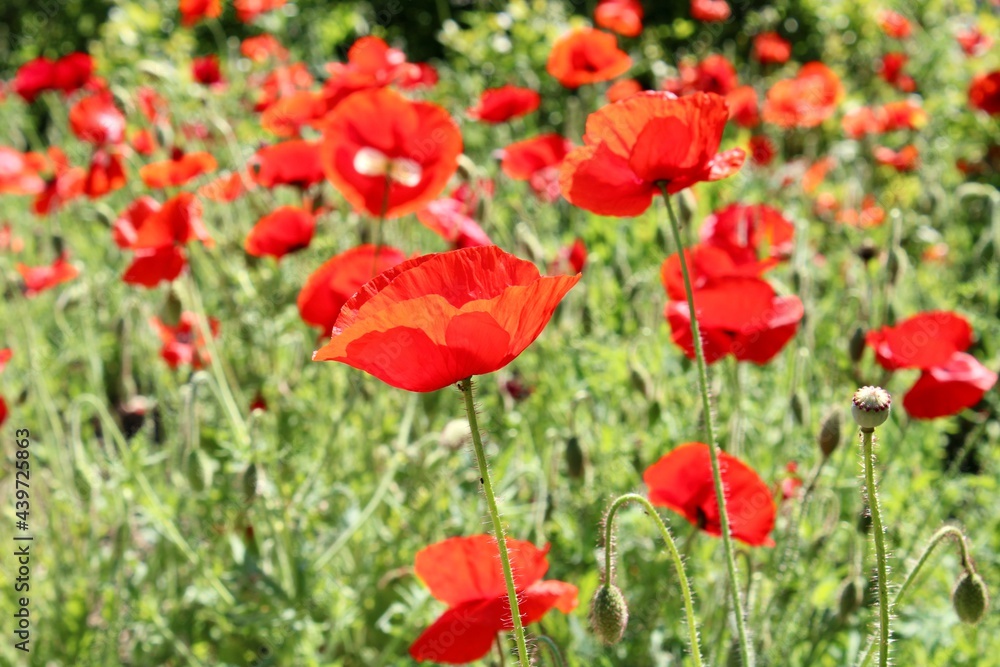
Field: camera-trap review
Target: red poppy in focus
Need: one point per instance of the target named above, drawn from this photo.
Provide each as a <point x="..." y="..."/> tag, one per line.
<point x="621" y="16"/>
<point x="805" y="101"/>
<point x="228" y="187"/>
<point x="285" y="230"/>
<point x="261" y="47"/>
<point x="743" y="108"/>
<point x="859" y="122"/>
<point x="894" y="24"/>
<point x="570" y="260"/>
<point x="586" y="56"/>
<point x="771" y="48"/>
<point x="295" y="162"/>
<point x="193" y="11"/>
<point x="707" y="264"/>
<point x="973" y="41"/>
<point x="19" y="172"/>
<point x="744" y="230"/>
<point x="437" y="319"/>
<point x="37" y="279"/>
<point x="682" y="481"/>
<point x="67" y="74"/>
<point x="206" y="70"/>
<point x="105" y="174"/>
<point x="464" y="573"/>
<point x="64" y="183"/>
<point x="633" y="146"/>
<point x="762" y="150"/>
<point x="248" y="10"/>
<point x="96" y="119"/>
<point x="536" y="160"/>
<point x="945" y="390"/>
<point x="178" y="170"/>
<point x="710" y="10"/>
<point x="622" y="89"/>
<point x="387" y="155"/>
<point x="497" y="105"/>
<point x="184" y="343"/>
<point x="340" y="278"/>
<point x="451" y="218"/>
<point x="984" y="92"/>
<point x="922" y="341"/>
<point x="906" y="159"/>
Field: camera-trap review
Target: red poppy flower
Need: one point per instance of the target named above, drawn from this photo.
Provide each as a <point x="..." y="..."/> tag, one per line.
<point x="894" y="24"/>
<point x="741" y="316"/>
<point x="67" y="74"/>
<point x="973" y="41"/>
<point x="96" y="119"/>
<point x="340" y="278"/>
<point x="451" y="219"/>
<point x="157" y="235"/>
<point x="105" y="174"/>
<point x="622" y="89"/>
<point x="437" y="319"/>
<point x="714" y="74"/>
<point x="371" y="63"/>
<point x="248" y="10"/>
<point x="923" y="341"/>
<point x="261" y="47"/>
<point x="621" y="16"/>
<point x="19" y="172"/>
<point x="281" y="82"/>
<point x="497" y="105"/>
<point x="891" y="69"/>
<point x="537" y="161"/>
<point x="193" y="11"/>
<point x="805" y="101"/>
<point x="37" y="279"/>
<point x="152" y="105"/>
<point x="710" y="10"/>
<point x="743" y="230"/>
<point x="771" y="48"/>
<point x="143" y="142"/>
<point x="706" y="265"/>
<point x="634" y="145"/>
<point x="377" y="141"/>
<point x="906" y="159"/>
<point x="296" y="162"/>
<point x="184" y="343"/>
<point x="465" y="573"/>
<point x="570" y="260"/>
<point x="228" y="187"/>
<point x="287" y="116"/>
<point x="945" y="390"/>
<point x="206" y="70"/>
<point x="815" y="174"/>
<point x="282" y="231"/>
<point x="791" y="484"/>
<point x="984" y="92"/>
<point x="6" y="354"/>
<point x="586" y="56"/>
<point x="901" y="115"/>
<point x="178" y="170"/>
<point x="860" y="122"/>
<point x="64" y="183"/>
<point x="682" y="481"/>
<point x="3" y="411"/>
<point x="9" y="242"/>
<point x="762" y="150"/>
<point x="743" y="108"/>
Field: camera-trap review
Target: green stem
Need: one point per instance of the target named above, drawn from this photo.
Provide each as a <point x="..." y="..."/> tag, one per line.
<point x="498" y="532"/>
<point x="746" y="650"/>
<point x="883" y="582"/>
<point x="937" y="538"/>
<point x="553" y="650"/>
<point x="609" y="524"/>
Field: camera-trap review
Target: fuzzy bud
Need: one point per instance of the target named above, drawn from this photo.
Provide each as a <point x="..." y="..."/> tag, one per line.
<point x="608" y="614"/>
<point x="574" y="458"/>
<point x="870" y="407"/>
<point x="970" y="598"/>
<point x="856" y="346"/>
<point x="851" y="597"/>
<point x="829" y="433"/>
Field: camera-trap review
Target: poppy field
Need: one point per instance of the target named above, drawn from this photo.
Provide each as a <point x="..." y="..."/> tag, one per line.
<point x="608" y="333"/>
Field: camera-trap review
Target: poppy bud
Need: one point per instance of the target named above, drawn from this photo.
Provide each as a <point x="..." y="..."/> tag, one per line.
<point x="250" y="483"/>
<point x="58" y="247"/>
<point x="867" y="251"/>
<point x="798" y="409"/>
<point x="574" y="458"/>
<point x="195" y="472"/>
<point x="892" y="265"/>
<point x="829" y="433"/>
<point x="864" y="524"/>
<point x="857" y="345"/>
<point x="851" y="597"/>
<point x="870" y="406"/>
<point x="970" y="598"/>
<point x="172" y="310"/>
<point x="608" y="614"/>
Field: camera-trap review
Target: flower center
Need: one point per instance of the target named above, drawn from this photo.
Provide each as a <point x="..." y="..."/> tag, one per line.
<point x="373" y="162"/>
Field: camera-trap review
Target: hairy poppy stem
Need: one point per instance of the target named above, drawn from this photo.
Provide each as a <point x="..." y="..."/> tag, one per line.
<point x="883" y="582"/>
<point x="498" y="532"/>
<point x="746" y="649"/>
<point x="609" y="523"/>
<point x="936" y="539"/>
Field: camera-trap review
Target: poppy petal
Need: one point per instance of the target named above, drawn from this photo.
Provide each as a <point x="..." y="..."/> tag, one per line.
<point x="948" y="389"/>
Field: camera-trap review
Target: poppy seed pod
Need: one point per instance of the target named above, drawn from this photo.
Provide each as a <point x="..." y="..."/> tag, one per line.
<point x="870" y="407"/>
<point x="829" y="433"/>
<point x="608" y="614"/>
<point x="970" y="598"/>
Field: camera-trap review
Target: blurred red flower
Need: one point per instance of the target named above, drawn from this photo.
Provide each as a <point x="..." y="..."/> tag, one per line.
<point x="984" y="92"/>
<point x="744" y="230"/>
<point x="6" y="354"/>
<point x="682" y="481"/>
<point x="261" y="47"/>
<point x="870" y="214"/>
<point x="105" y="174"/>
<point x="570" y="260"/>
<point x="184" y="343"/>
<point x="296" y="162"/>
<point x="894" y="24"/>
<point x="805" y="101"/>
<point x="63" y="183"/>
<point x="901" y="115"/>
<point x="973" y="41"/>
<point x="206" y="70"/>
<point x="19" y="172"/>
<point x="228" y="187"/>
<point x="282" y="82"/>
<point x="762" y="150"/>
<point x="157" y="235"/>
<point x="66" y="74"/>
<point x="451" y="219"/>
<point x="906" y="159"/>
<point x="371" y="63"/>
<point x="891" y="69"/>
<point x="340" y="278"/>
<point x="714" y="74"/>
<point x="97" y="120"/>
<point x="536" y="160"/>
<point x="771" y="48"/>
<point x="743" y="106"/>
<point x="387" y="155"/>
<point x="248" y="10"/>
<point x="143" y="142"/>
<point x="586" y="56"/>
<point x="287" y="116"/>
<point x="437" y="319"/>
<point x="37" y="279"/>
<point x="622" y="89"/>
<point x="497" y="105"/>
<point x="193" y="11"/>
<point x="633" y="145"/>
<point x="710" y="10"/>
<point x="178" y="170"/>
<point x="859" y="122"/>
<point x="284" y="230"/>
<point x="621" y="16"/>
<point x="464" y="573"/>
